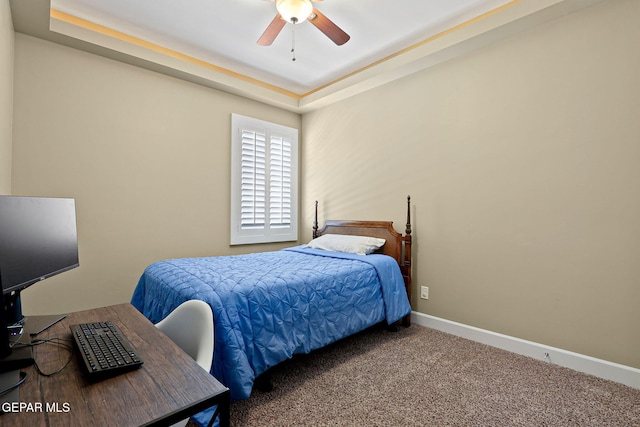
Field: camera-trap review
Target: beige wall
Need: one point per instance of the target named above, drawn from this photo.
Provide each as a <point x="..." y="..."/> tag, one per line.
<point x="6" y="96"/>
<point x="523" y="163"/>
<point x="145" y="155"/>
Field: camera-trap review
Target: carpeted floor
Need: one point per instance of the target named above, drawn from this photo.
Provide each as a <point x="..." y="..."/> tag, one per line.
<point x="422" y="377"/>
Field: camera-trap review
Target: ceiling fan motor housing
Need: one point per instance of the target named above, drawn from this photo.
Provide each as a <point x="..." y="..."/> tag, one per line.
<point x="294" y="10"/>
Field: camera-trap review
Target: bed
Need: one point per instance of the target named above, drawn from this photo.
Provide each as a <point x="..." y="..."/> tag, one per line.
<point x="269" y="306"/>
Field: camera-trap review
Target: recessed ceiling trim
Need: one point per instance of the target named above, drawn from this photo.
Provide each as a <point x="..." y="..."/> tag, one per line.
<point x="499" y="23"/>
<point x="415" y="46"/>
<point x="126" y="38"/>
<point x="514" y="17"/>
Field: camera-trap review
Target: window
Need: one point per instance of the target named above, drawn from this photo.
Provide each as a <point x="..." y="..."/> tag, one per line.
<point x="264" y="181"/>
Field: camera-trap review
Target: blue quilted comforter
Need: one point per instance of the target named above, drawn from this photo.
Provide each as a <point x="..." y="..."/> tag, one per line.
<point x="269" y="306"/>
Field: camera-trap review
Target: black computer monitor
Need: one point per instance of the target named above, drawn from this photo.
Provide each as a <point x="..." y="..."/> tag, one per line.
<point x="38" y="239"/>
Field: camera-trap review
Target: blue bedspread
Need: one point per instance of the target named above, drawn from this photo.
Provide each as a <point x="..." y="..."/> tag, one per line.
<point x="269" y="306"/>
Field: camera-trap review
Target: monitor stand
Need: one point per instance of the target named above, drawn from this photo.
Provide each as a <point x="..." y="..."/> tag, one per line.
<point x="22" y="356"/>
<point x="19" y="358"/>
<point x="7" y="382"/>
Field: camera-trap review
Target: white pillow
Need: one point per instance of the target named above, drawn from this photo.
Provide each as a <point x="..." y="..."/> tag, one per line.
<point x="361" y="245"/>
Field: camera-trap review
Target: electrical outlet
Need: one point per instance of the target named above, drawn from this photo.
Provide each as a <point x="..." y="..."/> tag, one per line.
<point x="424" y="292"/>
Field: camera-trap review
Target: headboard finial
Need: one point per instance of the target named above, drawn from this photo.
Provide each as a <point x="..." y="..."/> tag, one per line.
<point x="315" y="222"/>
<point x="408" y="229"/>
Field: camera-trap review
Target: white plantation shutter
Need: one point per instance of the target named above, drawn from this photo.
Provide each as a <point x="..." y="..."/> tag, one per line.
<point x="280" y="183"/>
<point x="254" y="180"/>
<point x="263" y="182"/>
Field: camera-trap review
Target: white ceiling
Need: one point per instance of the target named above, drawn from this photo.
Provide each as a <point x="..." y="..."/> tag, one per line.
<point x="213" y="42"/>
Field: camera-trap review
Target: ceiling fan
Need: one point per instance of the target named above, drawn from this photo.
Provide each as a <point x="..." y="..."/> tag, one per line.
<point x="296" y="11"/>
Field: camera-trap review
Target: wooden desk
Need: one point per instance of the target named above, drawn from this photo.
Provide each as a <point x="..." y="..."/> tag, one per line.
<point x="168" y="387"/>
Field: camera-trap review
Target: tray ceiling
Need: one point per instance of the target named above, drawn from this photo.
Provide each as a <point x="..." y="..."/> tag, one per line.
<point x="214" y="42"/>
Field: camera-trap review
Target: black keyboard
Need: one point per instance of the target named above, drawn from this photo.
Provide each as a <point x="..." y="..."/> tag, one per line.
<point x="103" y="349"/>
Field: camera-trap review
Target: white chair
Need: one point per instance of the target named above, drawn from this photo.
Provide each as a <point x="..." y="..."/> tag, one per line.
<point x="190" y="326"/>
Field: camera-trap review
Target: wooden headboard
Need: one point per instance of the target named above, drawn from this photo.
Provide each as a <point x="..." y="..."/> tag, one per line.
<point x="397" y="246"/>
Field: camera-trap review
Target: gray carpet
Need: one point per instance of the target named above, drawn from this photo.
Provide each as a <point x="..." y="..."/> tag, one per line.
<point x="422" y="377"/>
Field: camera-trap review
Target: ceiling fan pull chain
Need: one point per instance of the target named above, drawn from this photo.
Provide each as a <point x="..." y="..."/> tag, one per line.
<point x="294" y="20"/>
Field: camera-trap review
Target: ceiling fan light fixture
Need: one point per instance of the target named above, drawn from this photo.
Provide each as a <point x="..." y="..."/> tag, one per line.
<point x="294" y="10"/>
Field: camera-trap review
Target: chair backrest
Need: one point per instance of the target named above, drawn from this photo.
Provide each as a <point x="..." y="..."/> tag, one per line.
<point x="190" y="326"/>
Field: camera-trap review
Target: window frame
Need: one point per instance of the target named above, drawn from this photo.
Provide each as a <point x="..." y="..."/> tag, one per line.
<point x="267" y="233"/>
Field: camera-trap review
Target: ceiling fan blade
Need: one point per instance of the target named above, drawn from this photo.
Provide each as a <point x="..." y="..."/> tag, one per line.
<point x="272" y="31"/>
<point x="330" y="29"/>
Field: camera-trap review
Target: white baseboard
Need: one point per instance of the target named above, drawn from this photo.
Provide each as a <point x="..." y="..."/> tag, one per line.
<point x="622" y="374"/>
